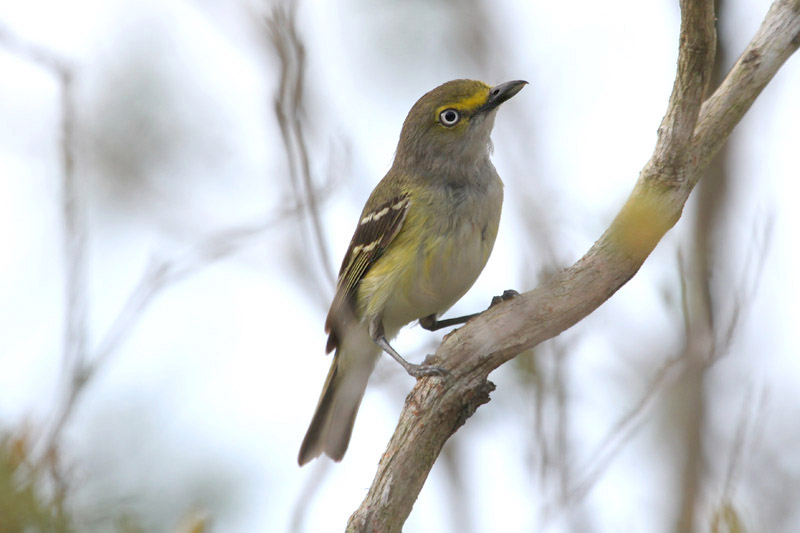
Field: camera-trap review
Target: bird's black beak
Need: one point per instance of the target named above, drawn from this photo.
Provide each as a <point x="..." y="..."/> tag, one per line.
<point x="500" y="93"/>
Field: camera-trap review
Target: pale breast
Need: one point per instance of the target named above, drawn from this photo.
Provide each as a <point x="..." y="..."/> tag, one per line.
<point x="448" y="261"/>
<point x="448" y="270"/>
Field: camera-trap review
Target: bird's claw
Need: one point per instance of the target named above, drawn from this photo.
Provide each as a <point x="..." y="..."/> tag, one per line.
<point x="509" y="294"/>
<point x="423" y="370"/>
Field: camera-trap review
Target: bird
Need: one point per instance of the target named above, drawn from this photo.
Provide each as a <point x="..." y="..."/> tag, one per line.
<point x="423" y="238"/>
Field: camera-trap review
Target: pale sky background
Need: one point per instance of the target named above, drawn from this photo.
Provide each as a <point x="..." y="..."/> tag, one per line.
<point x="204" y="404"/>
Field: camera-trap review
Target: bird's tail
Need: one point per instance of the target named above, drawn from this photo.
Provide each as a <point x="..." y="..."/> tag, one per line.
<point x="332" y="424"/>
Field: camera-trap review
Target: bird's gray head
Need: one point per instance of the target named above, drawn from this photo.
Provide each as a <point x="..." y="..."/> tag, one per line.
<point x="451" y="125"/>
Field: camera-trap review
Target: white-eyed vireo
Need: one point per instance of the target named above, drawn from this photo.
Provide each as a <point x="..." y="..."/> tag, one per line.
<point x="423" y="238"/>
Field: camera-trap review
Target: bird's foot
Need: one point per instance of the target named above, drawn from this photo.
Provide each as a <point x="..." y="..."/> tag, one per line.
<point x="509" y="294"/>
<point x="424" y="370"/>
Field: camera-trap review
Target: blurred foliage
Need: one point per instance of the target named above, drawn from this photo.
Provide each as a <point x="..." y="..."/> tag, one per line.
<point x="24" y="506"/>
<point x="726" y="520"/>
<point x="34" y="492"/>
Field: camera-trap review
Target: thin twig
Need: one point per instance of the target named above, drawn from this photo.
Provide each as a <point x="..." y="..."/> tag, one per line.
<point x="749" y="281"/>
<point x="621" y="432"/>
<point x="158" y="275"/>
<point x="739" y="441"/>
<point x="310" y="488"/>
<point x="289" y="111"/>
<point x="74" y="237"/>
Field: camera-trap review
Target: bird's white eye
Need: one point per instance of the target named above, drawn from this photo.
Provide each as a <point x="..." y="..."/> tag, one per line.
<point x="449" y="117"/>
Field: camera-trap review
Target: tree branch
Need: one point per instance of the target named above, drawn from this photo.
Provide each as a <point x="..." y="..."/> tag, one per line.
<point x="289" y="112"/>
<point x="689" y="136"/>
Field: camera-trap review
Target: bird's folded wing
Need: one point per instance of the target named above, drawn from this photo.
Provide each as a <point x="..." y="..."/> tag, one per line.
<point x="374" y="233"/>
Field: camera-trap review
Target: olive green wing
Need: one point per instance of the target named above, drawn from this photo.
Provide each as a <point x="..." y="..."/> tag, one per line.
<point x="375" y="231"/>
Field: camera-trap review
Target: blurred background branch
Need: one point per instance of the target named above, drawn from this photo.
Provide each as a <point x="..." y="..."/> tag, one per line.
<point x="21" y="516"/>
<point x="290" y="113"/>
<point x="160" y="274"/>
<point x="80" y="363"/>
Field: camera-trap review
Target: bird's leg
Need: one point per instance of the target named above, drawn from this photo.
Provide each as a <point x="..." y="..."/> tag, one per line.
<point x="432" y="324"/>
<point x="415" y="371"/>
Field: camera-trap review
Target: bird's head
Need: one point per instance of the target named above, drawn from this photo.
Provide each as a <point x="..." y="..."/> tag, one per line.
<point x="452" y="124"/>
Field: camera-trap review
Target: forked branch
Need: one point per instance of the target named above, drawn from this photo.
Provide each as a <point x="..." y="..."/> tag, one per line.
<point x="690" y="134"/>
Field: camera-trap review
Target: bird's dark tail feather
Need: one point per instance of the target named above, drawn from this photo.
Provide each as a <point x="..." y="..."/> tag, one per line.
<point x="332" y="424"/>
